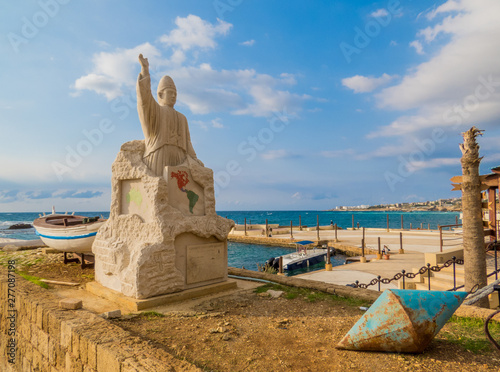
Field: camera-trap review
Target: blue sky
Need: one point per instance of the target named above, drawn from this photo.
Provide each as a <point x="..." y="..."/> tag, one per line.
<point x="293" y="104"/>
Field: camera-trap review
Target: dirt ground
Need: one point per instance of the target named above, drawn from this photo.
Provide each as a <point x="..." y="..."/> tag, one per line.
<point x="251" y="331"/>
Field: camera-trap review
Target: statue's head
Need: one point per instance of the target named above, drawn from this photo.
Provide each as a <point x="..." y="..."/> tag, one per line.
<point x="167" y="92"/>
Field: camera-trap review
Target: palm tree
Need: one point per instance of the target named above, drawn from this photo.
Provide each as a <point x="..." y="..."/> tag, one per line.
<point x="473" y="231"/>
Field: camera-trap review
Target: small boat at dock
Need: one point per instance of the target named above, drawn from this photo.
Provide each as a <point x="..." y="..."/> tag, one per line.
<point x="302" y="257"/>
<point x="68" y="232"/>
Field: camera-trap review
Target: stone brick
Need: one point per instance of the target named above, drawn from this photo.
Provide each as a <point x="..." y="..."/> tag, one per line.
<point x="56" y="354"/>
<point x="39" y="315"/>
<point x="86" y="368"/>
<point x="70" y="304"/>
<point x="54" y="326"/>
<point x="52" y="354"/>
<point x="92" y="355"/>
<point x="106" y="359"/>
<point x="43" y="342"/>
<point x="33" y="307"/>
<point x="36" y="362"/>
<point x="26" y="365"/>
<point x="112" y="314"/>
<point x="83" y="352"/>
<point x="34" y="335"/>
<point x="66" y="334"/>
<point x="75" y="345"/>
<point x="73" y="364"/>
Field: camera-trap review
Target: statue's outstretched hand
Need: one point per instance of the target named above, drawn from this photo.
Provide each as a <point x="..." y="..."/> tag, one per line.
<point x="144" y="64"/>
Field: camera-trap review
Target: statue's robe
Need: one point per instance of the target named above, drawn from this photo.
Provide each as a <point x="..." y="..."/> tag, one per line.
<point x="166" y="131"/>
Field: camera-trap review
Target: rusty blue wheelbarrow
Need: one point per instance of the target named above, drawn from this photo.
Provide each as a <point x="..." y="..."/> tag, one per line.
<point x="403" y="321"/>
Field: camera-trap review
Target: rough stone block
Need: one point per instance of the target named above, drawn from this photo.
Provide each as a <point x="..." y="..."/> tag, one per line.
<point x="54" y="326"/>
<point x="66" y="334"/>
<point x="112" y="314"/>
<point x="92" y="355"/>
<point x="39" y="316"/>
<point x="36" y="361"/>
<point x="70" y="304"/>
<point x="75" y="345"/>
<point x="73" y="364"/>
<point x="107" y="360"/>
<point x="43" y="342"/>
<point x="34" y="336"/>
<point x="83" y="344"/>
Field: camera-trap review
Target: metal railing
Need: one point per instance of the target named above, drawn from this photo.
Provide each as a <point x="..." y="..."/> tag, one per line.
<point x="448" y="237"/>
<point x="428" y="269"/>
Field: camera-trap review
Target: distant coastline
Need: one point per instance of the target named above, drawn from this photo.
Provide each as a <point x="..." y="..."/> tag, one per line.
<point x="441" y="205"/>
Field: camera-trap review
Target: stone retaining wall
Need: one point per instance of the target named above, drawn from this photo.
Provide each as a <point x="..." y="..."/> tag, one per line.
<point x="48" y="339"/>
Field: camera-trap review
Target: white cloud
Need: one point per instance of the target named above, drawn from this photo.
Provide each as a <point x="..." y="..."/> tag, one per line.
<point x="418" y="46"/>
<point x="114" y="70"/>
<point x="415" y="166"/>
<point x="194" y="32"/>
<point x="248" y="43"/>
<point x="364" y="84"/>
<point x="217" y="123"/>
<point x="460" y="83"/>
<point x="201" y="88"/>
<point x="275" y="154"/>
<point x="380" y="13"/>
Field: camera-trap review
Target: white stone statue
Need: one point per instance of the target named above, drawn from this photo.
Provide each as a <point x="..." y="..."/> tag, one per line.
<point x="163" y="234"/>
<point x="168" y="142"/>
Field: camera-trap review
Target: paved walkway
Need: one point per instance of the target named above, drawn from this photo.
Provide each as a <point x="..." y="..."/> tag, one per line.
<point x="415" y="244"/>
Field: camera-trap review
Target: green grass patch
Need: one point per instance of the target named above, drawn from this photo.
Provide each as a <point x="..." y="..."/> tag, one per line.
<point x="33" y="279"/>
<point x="152" y="314"/>
<point x="468" y="333"/>
<point x="311" y="295"/>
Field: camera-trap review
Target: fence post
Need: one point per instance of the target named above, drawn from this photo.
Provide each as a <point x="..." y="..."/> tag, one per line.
<point x="245" y="226"/>
<point x="317" y="226"/>
<point x="363" y="258"/>
<point x="387" y="222"/>
<point x="402" y="224"/>
<point x="440" y="238"/>
<point x="267" y="229"/>
<point x="280" y="270"/>
<point x="353" y="222"/>
<point x="291" y="230"/>
<point x="429" y="275"/>
<point x="496" y="262"/>
<point x="336" y="240"/>
<point x="328" y="266"/>
<point x="401" y="250"/>
<point x="300" y="223"/>
<point x="379" y="277"/>
<point x="454" y="274"/>
<point x="403" y="272"/>
<point x="379" y="254"/>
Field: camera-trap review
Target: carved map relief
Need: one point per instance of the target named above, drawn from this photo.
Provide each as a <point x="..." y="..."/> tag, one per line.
<point x="133" y="200"/>
<point x="184" y="193"/>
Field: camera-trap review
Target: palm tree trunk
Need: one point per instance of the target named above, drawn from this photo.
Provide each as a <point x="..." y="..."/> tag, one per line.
<point x="473" y="231"/>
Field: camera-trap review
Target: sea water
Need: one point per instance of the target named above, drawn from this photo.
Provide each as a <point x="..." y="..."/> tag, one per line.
<point x="249" y="255"/>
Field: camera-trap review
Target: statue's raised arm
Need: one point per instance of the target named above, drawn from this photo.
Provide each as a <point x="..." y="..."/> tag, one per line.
<point x="144" y="65"/>
<point x="166" y="131"/>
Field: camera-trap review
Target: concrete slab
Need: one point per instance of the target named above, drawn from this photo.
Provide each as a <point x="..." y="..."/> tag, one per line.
<point x="133" y="304"/>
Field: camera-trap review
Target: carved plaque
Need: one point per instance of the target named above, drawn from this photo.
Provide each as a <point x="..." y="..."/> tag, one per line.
<point x="206" y="262"/>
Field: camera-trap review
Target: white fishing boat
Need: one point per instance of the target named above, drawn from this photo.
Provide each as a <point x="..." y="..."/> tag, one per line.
<point x="301" y="258"/>
<point x="68" y="232"/>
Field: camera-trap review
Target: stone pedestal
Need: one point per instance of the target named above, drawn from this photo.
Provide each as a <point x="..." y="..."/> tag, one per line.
<point x="163" y="234"/>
